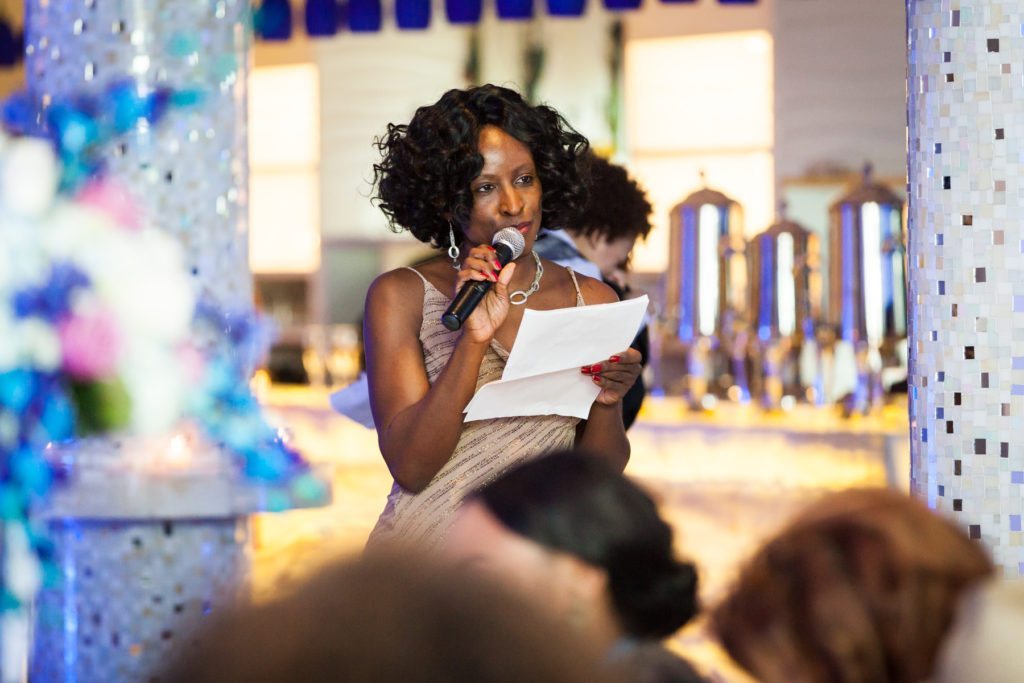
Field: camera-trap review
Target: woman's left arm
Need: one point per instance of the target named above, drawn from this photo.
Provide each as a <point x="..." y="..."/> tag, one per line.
<point x="603" y="433"/>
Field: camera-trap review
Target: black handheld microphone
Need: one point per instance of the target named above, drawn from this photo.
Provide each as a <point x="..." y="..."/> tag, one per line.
<point x="509" y="244"/>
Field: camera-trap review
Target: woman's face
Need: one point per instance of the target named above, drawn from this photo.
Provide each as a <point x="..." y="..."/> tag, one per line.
<point x="608" y="255"/>
<point x="507" y="193"/>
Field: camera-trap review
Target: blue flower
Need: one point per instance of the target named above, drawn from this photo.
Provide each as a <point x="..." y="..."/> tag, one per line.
<point x="17" y="387"/>
<point x="51" y="301"/>
<point x="81" y="126"/>
<point x="58" y="416"/>
<point x="74" y="131"/>
<point x="30" y="471"/>
<point x="12" y="503"/>
<point x="19" y="113"/>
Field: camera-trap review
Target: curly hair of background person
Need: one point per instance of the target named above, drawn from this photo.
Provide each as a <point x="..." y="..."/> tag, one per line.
<point x="618" y="206"/>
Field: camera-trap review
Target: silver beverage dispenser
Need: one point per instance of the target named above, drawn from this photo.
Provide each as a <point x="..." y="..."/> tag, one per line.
<point x="785" y="310"/>
<point x="867" y="293"/>
<point x="705" y="315"/>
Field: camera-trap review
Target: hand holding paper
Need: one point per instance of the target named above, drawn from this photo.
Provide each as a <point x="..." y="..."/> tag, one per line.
<point x="542" y="375"/>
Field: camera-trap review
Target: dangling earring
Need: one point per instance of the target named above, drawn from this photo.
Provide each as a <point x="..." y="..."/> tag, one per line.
<point x="453" y="249"/>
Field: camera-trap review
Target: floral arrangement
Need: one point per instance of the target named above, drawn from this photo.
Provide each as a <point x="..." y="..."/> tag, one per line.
<point x="95" y="316"/>
<point x="228" y="413"/>
<point x="99" y="325"/>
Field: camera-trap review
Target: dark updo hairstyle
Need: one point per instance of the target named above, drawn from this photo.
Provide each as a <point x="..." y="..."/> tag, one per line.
<point x="574" y="503"/>
<point x="618" y="206"/>
<point x="427" y="166"/>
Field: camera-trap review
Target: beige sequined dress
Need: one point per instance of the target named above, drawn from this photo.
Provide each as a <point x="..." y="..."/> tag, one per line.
<point x="486" y="448"/>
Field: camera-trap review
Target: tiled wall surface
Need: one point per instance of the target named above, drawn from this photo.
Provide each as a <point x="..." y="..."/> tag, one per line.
<point x="966" y="265"/>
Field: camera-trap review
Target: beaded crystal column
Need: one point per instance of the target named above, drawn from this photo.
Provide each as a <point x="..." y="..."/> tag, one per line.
<point x="966" y="265"/>
<point x="147" y="551"/>
<point x="190" y="173"/>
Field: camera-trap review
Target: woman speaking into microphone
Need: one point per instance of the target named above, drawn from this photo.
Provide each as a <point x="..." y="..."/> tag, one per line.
<point x="477" y="162"/>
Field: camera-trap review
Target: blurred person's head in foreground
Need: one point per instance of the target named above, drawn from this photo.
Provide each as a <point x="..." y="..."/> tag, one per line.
<point x="862" y="587"/>
<point x="617" y="214"/>
<point x="582" y="541"/>
<point x="385" y="618"/>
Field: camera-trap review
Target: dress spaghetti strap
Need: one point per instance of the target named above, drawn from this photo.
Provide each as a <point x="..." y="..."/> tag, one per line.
<point x="579" y="294"/>
<point x="425" y="283"/>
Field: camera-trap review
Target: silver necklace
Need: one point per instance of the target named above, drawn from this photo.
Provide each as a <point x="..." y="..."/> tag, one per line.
<point x="534" y="286"/>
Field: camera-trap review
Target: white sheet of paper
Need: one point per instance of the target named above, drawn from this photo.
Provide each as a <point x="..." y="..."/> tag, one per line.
<point x="542" y="375"/>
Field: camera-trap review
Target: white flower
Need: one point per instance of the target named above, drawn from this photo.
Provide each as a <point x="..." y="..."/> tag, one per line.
<point x="6" y="265"/>
<point x="70" y="229"/>
<point x="21" y="568"/>
<point x="40" y="345"/>
<point x="156" y="386"/>
<point x="8" y="346"/>
<point x="28" y="181"/>
<point x="84" y="302"/>
<point x="141" y="277"/>
<point x="23" y="261"/>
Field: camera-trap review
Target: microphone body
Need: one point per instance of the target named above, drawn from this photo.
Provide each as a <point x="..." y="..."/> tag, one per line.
<point x="509" y="244"/>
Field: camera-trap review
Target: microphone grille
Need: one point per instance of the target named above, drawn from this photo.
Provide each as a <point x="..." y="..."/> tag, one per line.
<point x="513" y="238"/>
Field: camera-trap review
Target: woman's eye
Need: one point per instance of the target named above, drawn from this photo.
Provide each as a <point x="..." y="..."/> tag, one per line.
<point x="484" y="188"/>
<point x="525" y="180"/>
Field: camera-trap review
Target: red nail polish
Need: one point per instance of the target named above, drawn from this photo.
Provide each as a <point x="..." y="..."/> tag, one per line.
<point x="586" y="370"/>
<point x="596" y="367"/>
<point x="615" y="359"/>
<point x="597" y="379"/>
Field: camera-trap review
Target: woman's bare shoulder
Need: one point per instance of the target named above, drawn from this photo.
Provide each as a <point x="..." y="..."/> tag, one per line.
<point x="394" y="296"/>
<point x="595" y="291"/>
<point x="397" y="283"/>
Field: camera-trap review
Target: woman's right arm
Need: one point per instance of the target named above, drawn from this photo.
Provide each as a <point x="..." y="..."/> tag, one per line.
<point x="418" y="424"/>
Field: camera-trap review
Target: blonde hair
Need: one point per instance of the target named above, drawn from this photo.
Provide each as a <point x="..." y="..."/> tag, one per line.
<point x="862" y="587"/>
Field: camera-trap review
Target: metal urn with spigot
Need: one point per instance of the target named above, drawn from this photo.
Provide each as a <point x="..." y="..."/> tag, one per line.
<point x="785" y="309"/>
<point x="706" y="300"/>
<point x="867" y="297"/>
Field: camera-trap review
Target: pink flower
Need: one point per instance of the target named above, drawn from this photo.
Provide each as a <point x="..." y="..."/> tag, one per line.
<point x="89" y="345"/>
<point x="113" y="200"/>
<point x="191" y="362"/>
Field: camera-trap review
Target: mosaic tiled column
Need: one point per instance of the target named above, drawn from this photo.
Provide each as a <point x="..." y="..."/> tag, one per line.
<point x="134" y="594"/>
<point x="966" y="265"/>
<point x="145" y="556"/>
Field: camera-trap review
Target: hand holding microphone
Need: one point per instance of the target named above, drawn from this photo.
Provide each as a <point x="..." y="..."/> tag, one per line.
<point x="508" y="245"/>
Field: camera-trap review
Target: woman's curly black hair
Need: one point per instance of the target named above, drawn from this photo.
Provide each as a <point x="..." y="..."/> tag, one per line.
<point x="618" y="206"/>
<point x="427" y="166"/>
